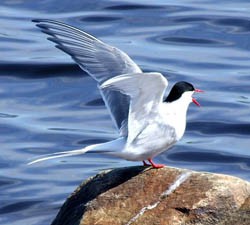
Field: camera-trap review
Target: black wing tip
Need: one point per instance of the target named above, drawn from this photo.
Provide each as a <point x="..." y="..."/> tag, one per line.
<point x="38" y="20"/>
<point x="53" y="39"/>
<point x="41" y="22"/>
<point x="41" y="25"/>
<point x="35" y="20"/>
<point x="62" y="48"/>
<point x="52" y="21"/>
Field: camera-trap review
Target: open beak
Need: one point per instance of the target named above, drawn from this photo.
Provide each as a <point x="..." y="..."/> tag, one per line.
<point x="194" y="100"/>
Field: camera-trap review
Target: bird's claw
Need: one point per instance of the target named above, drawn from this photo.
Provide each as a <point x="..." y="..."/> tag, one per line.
<point x="155" y="166"/>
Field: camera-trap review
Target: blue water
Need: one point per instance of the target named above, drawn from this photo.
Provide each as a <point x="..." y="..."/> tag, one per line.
<point x="47" y="104"/>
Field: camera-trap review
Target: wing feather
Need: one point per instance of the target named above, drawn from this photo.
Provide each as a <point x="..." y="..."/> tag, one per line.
<point x="99" y="60"/>
<point x="146" y="94"/>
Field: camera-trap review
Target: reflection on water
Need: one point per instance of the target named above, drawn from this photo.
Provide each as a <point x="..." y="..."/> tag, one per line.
<point x="47" y="104"/>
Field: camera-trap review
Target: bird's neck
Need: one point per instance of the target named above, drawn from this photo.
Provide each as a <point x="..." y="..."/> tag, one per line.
<point x="178" y="107"/>
<point x="175" y="115"/>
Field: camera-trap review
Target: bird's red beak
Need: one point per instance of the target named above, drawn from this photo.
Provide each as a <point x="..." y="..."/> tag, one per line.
<point x="194" y="100"/>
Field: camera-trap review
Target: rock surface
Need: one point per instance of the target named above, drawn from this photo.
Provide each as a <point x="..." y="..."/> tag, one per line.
<point x="143" y="196"/>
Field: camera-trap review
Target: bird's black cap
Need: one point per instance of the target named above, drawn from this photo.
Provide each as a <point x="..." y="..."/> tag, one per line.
<point x="178" y="89"/>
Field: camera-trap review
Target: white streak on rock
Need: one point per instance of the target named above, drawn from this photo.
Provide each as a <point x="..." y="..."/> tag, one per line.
<point x="182" y="178"/>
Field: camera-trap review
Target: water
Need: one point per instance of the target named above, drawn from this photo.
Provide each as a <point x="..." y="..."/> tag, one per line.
<point x="47" y="104"/>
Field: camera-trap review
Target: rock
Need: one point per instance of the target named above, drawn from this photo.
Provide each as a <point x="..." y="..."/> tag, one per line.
<point x="145" y="196"/>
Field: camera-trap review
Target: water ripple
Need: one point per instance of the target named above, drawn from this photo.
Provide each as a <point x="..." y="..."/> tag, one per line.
<point x="190" y="19"/>
<point x="17" y="206"/>
<point x="220" y="128"/>
<point x="100" y="19"/>
<point x="192" y="156"/>
<point x="5" y="115"/>
<point x="133" y="7"/>
<point x="239" y="25"/>
<point x="34" y="70"/>
<point x="188" y="40"/>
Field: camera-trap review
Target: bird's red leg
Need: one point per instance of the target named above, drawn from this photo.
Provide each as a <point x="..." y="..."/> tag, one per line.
<point x="156" y="166"/>
<point x="145" y="164"/>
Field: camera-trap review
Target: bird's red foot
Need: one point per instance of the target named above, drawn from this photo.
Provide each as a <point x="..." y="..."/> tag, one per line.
<point x="156" y="166"/>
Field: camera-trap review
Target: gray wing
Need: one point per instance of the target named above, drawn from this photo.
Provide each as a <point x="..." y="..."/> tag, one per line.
<point x="99" y="60"/>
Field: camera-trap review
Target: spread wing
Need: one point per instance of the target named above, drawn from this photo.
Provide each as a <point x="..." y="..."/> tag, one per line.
<point x="99" y="60"/>
<point x="146" y="92"/>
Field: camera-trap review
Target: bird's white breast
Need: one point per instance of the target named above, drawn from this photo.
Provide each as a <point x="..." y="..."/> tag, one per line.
<point x="175" y="117"/>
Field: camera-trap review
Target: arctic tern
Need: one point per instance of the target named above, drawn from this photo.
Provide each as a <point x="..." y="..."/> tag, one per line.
<point x="148" y="123"/>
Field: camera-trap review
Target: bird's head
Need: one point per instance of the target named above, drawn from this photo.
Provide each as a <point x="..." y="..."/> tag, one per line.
<point x="182" y="92"/>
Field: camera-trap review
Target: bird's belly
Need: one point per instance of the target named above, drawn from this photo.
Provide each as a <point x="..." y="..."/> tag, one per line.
<point x="151" y="142"/>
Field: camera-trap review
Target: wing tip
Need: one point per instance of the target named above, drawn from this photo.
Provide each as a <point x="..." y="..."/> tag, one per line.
<point x="39" y="20"/>
<point x="35" y="20"/>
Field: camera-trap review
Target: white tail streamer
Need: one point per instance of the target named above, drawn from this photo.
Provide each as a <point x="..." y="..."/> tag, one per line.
<point x="110" y="147"/>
